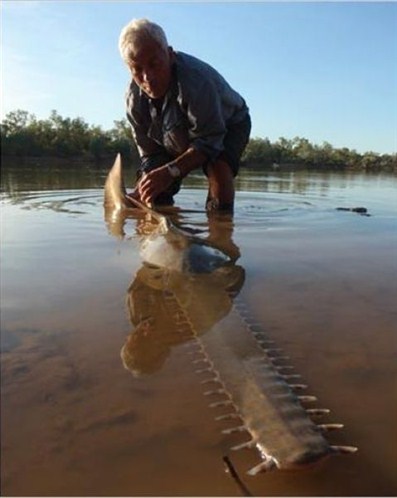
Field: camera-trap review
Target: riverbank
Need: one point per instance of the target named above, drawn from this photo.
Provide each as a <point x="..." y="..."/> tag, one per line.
<point x="104" y="161"/>
<point x="57" y="162"/>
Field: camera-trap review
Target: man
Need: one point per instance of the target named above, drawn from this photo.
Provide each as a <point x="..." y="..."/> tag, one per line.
<point x="184" y="116"/>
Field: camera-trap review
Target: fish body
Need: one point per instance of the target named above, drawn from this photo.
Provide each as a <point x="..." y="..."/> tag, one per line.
<point x="167" y="245"/>
<point x="247" y="383"/>
<point x="246" y="376"/>
<point x="278" y="425"/>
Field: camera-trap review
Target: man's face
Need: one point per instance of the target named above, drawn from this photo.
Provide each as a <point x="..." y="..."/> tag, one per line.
<point x="150" y="66"/>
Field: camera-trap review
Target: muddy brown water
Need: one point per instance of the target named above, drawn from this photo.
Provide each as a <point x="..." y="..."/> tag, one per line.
<point x="321" y="282"/>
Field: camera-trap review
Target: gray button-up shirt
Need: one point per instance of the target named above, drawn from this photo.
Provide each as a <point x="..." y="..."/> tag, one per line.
<point x="196" y="112"/>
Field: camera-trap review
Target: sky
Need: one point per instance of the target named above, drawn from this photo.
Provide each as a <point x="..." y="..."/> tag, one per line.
<point x="325" y="71"/>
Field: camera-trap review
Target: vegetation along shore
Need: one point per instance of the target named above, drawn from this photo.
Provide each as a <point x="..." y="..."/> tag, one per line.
<point x="25" y="136"/>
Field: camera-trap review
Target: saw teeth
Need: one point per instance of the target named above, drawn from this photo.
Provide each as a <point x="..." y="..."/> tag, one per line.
<point x="203" y="370"/>
<point x="282" y="358"/>
<point x="227" y="402"/>
<point x="344" y="449"/>
<point x="248" y="445"/>
<point x="201" y="360"/>
<point x="318" y="411"/>
<point x="215" y="391"/>
<point x="255" y="327"/>
<point x="264" y="343"/>
<point x="307" y="399"/>
<point x="228" y="416"/>
<point x="299" y="387"/>
<point x="330" y="427"/>
<point x="240" y="428"/>
<point x="261" y="337"/>
<point x="264" y="466"/>
<point x="280" y="368"/>
<point x="290" y="376"/>
<point x="208" y="381"/>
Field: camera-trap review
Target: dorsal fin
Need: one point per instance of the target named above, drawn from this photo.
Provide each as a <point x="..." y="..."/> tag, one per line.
<point x="115" y="193"/>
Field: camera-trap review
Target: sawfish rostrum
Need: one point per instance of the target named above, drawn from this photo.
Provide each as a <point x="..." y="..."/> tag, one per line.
<point x="248" y="381"/>
<point x="166" y="306"/>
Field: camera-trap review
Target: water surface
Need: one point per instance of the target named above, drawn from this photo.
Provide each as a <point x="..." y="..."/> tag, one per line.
<point x="322" y="283"/>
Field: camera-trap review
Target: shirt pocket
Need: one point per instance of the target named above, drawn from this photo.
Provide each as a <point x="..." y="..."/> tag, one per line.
<point x="176" y="132"/>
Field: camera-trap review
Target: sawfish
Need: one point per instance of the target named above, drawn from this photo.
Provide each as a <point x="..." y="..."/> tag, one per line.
<point x="248" y="379"/>
<point x="168" y="246"/>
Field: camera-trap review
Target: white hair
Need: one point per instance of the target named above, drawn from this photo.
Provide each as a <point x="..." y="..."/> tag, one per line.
<point x="137" y="30"/>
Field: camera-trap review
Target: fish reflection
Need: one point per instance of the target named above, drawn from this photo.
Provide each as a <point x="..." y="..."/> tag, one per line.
<point x="168" y="308"/>
<point x="186" y="282"/>
<point x="166" y="244"/>
<point x="187" y="286"/>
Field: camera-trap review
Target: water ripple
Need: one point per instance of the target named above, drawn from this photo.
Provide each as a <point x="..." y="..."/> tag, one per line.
<point x="62" y="201"/>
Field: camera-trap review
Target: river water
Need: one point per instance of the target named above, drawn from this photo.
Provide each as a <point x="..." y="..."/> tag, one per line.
<point x="321" y="282"/>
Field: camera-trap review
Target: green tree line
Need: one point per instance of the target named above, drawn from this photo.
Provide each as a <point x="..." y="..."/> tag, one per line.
<point x="23" y="135"/>
<point x="299" y="152"/>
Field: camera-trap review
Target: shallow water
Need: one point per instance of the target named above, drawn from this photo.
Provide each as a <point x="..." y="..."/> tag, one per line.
<point x="321" y="282"/>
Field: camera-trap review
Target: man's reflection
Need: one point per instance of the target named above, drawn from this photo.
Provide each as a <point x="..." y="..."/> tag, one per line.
<point x="220" y="226"/>
<point x="168" y="308"/>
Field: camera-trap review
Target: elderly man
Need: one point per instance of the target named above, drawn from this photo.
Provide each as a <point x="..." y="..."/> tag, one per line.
<point x="184" y="116"/>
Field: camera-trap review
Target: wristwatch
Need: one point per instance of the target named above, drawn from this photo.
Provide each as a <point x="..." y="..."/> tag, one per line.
<point x="174" y="171"/>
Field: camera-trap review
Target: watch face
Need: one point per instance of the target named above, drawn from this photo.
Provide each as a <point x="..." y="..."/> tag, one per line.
<point x="174" y="171"/>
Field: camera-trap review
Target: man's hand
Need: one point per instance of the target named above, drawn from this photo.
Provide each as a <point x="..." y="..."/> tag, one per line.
<point x="131" y="196"/>
<point x="153" y="183"/>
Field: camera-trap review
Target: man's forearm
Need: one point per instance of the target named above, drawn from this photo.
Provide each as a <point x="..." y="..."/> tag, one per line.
<point x="159" y="179"/>
<point x="188" y="161"/>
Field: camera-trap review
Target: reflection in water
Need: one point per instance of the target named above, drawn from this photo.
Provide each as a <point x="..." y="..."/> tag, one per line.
<point x="75" y="423"/>
<point x="166" y="242"/>
<point x="172" y="302"/>
<point x="64" y="201"/>
<point x="115" y="221"/>
<point x="18" y="178"/>
<point x="19" y="175"/>
<point x="168" y="308"/>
